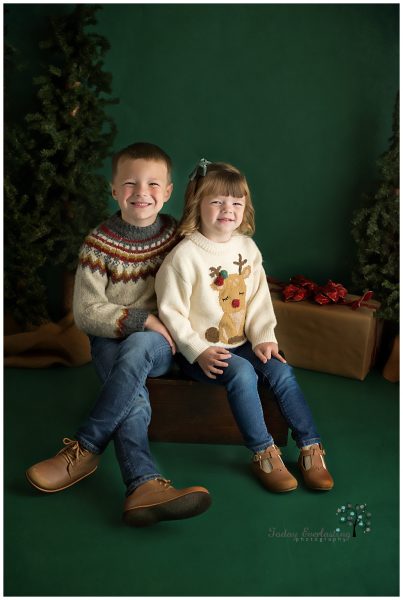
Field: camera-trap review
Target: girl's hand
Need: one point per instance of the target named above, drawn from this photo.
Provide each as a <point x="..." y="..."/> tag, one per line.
<point x="266" y="350"/>
<point x="154" y="324"/>
<point x="211" y="361"/>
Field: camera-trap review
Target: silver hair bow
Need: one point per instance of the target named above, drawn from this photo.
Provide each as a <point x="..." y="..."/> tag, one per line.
<point x="200" y="169"/>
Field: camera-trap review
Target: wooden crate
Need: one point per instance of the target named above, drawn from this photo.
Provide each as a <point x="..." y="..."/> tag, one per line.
<point x="184" y="410"/>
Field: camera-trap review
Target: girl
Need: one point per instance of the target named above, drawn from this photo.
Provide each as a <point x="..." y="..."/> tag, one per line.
<point x="214" y="299"/>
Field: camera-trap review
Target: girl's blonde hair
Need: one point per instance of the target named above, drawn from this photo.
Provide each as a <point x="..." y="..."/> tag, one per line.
<point x="221" y="179"/>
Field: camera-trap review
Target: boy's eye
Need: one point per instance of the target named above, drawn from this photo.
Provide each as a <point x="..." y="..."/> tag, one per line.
<point x="129" y="183"/>
<point x="154" y="184"/>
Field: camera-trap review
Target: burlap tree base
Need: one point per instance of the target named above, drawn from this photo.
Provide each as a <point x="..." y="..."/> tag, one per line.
<point x="49" y="344"/>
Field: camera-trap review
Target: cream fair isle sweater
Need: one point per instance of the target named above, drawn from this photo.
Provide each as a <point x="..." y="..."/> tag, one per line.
<point x="114" y="285"/>
<point x="214" y="294"/>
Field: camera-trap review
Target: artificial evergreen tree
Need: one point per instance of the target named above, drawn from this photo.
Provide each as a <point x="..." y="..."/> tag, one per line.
<point x="53" y="193"/>
<point x="21" y="264"/>
<point x="376" y="233"/>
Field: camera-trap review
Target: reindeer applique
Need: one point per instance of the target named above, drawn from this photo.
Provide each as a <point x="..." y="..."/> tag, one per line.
<point x="232" y="294"/>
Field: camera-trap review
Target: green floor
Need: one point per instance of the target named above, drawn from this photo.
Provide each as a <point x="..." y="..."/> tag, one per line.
<point x="250" y="542"/>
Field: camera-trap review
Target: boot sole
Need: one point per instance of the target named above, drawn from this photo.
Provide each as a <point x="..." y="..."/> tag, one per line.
<point x="60" y="488"/>
<point x="190" y="505"/>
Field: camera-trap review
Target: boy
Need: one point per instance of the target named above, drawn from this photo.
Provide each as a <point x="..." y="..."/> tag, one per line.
<point x="115" y="304"/>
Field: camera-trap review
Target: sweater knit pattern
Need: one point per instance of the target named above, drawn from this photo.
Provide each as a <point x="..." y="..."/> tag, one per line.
<point x="215" y="294"/>
<point x="114" y="287"/>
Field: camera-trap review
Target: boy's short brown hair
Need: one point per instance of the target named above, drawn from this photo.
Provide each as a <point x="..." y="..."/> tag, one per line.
<point x="145" y="151"/>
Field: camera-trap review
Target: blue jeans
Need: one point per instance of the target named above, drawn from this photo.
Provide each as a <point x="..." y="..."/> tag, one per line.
<point x="241" y="378"/>
<point x="122" y="411"/>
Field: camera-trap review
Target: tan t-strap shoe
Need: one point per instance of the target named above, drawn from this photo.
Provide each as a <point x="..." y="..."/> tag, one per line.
<point x="268" y="466"/>
<point x="314" y="469"/>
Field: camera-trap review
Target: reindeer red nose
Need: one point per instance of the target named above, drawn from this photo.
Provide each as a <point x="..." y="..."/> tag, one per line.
<point x="235" y="303"/>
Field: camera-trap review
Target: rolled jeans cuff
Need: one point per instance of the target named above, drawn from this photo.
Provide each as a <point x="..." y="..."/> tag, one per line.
<point x="309" y="442"/>
<point x="88" y="446"/>
<point x="264" y="447"/>
<point x="140" y="481"/>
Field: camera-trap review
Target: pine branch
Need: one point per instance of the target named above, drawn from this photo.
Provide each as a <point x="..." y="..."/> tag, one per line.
<point x="375" y="230"/>
<point x="53" y="195"/>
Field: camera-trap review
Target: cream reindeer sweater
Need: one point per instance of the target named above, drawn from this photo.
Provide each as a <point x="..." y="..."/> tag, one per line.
<point x="214" y="294"/>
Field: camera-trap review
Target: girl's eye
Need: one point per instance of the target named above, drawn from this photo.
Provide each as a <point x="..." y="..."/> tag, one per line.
<point x="238" y="204"/>
<point x="216" y="202"/>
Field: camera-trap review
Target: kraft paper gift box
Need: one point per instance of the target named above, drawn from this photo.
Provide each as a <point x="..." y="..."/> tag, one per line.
<point x="329" y="338"/>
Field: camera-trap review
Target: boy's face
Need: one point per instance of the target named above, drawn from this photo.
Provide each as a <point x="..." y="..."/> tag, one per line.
<point x="141" y="187"/>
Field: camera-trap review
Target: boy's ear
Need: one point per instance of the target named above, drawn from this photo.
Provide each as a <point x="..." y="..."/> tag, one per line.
<point x="113" y="191"/>
<point x="168" y="192"/>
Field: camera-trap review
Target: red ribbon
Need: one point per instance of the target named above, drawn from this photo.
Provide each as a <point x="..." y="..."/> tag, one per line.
<point x="363" y="301"/>
<point x="300" y="288"/>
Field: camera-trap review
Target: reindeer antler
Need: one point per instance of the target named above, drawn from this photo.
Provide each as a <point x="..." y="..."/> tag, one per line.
<point x="240" y="263"/>
<point x="215" y="272"/>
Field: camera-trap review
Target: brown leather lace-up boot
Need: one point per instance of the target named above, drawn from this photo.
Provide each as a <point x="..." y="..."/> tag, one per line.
<point x="272" y="472"/>
<point x="314" y="469"/>
<point x="156" y="500"/>
<point x="69" y="466"/>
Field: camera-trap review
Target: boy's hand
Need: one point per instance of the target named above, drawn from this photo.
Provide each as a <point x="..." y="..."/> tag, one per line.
<point x="211" y="361"/>
<point x="154" y="324"/>
<point x="266" y="350"/>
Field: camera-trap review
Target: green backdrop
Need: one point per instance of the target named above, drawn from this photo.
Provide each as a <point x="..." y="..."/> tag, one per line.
<point x="300" y="97"/>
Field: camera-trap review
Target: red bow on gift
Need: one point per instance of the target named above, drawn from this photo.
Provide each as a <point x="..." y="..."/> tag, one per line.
<point x="363" y="301"/>
<point x="331" y="292"/>
<point x="301" y="288"/>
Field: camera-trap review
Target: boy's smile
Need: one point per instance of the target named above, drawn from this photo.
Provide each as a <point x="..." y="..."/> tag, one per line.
<point x="220" y="216"/>
<point x="141" y="187"/>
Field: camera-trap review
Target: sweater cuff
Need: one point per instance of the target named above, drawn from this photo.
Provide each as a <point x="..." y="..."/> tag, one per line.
<point x="192" y="351"/>
<point x="265" y="336"/>
<point x="134" y="320"/>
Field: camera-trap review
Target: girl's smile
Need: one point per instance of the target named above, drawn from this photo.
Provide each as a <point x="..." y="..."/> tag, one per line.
<point x="220" y="216"/>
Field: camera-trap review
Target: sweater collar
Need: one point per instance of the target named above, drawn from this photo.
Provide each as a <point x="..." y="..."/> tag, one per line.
<point x="132" y="232"/>
<point x="213" y="247"/>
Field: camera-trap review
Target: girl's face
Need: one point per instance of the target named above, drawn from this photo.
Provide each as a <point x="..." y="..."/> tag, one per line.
<point x="220" y="216"/>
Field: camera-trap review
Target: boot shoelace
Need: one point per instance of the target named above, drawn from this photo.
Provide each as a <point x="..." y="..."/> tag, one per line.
<point x="165" y="482"/>
<point x="72" y="452"/>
